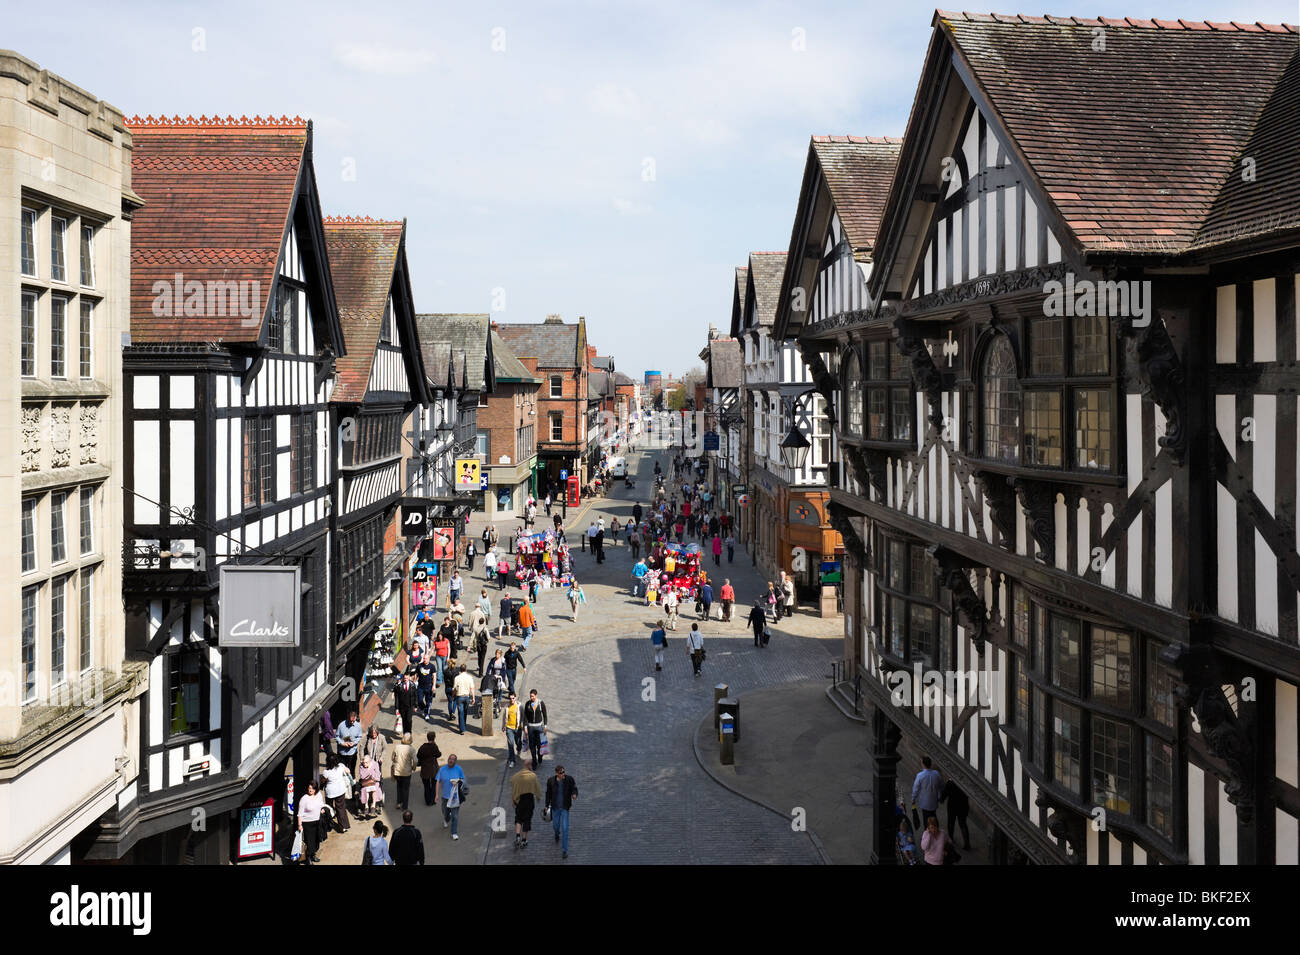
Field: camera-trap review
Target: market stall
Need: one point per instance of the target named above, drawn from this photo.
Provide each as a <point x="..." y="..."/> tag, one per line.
<point x="543" y="558"/>
<point x="674" y="566"/>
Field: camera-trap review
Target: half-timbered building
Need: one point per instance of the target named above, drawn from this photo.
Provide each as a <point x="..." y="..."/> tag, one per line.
<point x="1074" y="536"/>
<point x="379" y="382"/>
<point x="227" y="383"/>
<point x="791" y="528"/>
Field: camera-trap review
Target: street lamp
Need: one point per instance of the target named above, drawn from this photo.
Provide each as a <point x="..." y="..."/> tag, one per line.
<point x="794" y="448"/>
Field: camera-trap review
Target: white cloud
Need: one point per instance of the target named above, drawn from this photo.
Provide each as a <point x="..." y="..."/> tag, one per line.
<point x="628" y="207"/>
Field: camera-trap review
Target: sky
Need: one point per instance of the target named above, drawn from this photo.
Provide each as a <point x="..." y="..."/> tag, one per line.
<point x="610" y="160"/>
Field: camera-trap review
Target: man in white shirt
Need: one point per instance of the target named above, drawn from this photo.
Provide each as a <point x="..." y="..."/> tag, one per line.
<point x="463" y="690"/>
<point x="695" y="647"/>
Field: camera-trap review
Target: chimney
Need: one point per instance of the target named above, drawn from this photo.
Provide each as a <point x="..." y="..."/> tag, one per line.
<point x="553" y="320"/>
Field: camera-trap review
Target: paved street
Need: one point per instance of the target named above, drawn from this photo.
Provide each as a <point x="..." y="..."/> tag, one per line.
<point x="628" y="743"/>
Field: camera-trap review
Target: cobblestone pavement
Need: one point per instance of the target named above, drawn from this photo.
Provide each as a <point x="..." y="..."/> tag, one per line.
<point x="625" y="733"/>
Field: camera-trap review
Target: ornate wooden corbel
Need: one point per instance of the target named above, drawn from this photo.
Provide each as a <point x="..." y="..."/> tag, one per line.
<point x="1066" y="825"/>
<point x="1039" y="501"/>
<point x="823" y="380"/>
<point x="954" y="574"/>
<point x="925" y="375"/>
<point x="1227" y="735"/>
<point x="853" y="543"/>
<point x="868" y="466"/>
<point x="1002" y="502"/>
<point x="1162" y="379"/>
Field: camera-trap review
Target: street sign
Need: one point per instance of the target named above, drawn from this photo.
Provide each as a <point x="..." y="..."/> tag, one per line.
<point x="564" y="475"/>
<point x="483" y="482"/>
<point x="711" y="441"/>
<point x="831" y="572"/>
<point x="467" y="473"/>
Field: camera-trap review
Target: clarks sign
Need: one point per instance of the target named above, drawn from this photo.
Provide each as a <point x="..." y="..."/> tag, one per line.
<point x="259" y="606"/>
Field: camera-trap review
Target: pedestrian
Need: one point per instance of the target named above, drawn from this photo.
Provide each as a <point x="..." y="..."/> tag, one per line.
<point x="903" y="843"/>
<point x="958" y="809"/>
<point x="561" y="794"/>
<point x="371" y="794"/>
<point x="455" y="587"/>
<point x="376" y="848"/>
<point x="507" y="612"/>
<point x="533" y="585"/>
<point x="758" y="621"/>
<point x="934" y="843"/>
<point x="728" y="595"/>
<point x="485" y="603"/>
<point x="576" y="596"/>
<point x="327" y="732"/>
<point x="441" y="656"/>
<point x="639" y="570"/>
<point x="637" y="512"/>
<point x="926" y="789"/>
<point x="695" y="646"/>
<point x="338" y="783"/>
<point x="349" y="737"/>
<point x="497" y="670"/>
<point x="706" y="599"/>
<point x="659" y="640"/>
<point x="404" y="696"/>
<point x="488" y="540"/>
<point x="717" y="551"/>
<point x="547" y="502"/>
<point x="599" y="543"/>
<point x="374" y="746"/>
<point x="470" y="553"/>
<point x="451" y="787"/>
<point x="426" y="677"/>
<point x="310" y="807"/>
<point x="772" y="601"/>
<point x="401" y="766"/>
<point x="514" y="660"/>
<point x="787" y="590"/>
<point x="407" y="845"/>
<point x="479" y="636"/>
<point x="512" y="723"/>
<point x="503" y="572"/>
<point x="490" y="565"/>
<point x="527" y="622"/>
<point x="525" y="791"/>
<point x="671" y="601"/>
<point x="535" y="721"/>
<point x="634" y="542"/>
<point x="427" y="757"/>
<point x="615" y="529"/>
<point x="465" y="695"/>
<point x="731" y="547"/>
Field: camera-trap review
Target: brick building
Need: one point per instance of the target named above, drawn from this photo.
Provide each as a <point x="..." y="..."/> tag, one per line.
<point x="507" y="423"/>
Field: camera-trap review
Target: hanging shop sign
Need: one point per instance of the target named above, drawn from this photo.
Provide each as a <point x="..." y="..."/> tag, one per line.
<point x="444" y="543"/>
<point x="259" y="606"/>
<point x="415" y="519"/>
<point x="467" y="474"/>
<point x="424" y="585"/>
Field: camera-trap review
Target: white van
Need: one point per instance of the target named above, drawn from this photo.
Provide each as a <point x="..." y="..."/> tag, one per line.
<point x="618" y="468"/>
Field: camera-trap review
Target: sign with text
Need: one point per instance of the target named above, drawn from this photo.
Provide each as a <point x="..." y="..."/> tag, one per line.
<point x="424" y="585"/>
<point x="415" y="519"/>
<point x="444" y="543"/>
<point x="256" y="830"/>
<point x="711" y="441"/>
<point x="259" y="606"/>
<point x="467" y="473"/>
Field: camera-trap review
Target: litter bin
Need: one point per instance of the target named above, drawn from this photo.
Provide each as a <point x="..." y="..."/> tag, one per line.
<point x="720" y="690"/>
<point x="727" y="740"/>
<point x="728" y="705"/>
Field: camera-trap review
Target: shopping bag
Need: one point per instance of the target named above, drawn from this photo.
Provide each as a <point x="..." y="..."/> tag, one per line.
<point x="546" y="746"/>
<point x="296" y="852"/>
<point x="397" y="726"/>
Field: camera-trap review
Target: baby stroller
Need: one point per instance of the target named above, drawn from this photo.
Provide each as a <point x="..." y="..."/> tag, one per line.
<point x="490" y="687"/>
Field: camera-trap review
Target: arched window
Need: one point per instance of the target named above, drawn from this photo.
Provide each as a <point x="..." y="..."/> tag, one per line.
<point x="853" y="393"/>
<point x="1001" y="403"/>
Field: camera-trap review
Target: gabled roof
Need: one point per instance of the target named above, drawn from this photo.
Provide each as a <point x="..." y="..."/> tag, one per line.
<point x="598" y="384"/>
<point x="725" y="364"/>
<point x="766" y="270"/>
<point x="367" y="261"/>
<point x="857" y="171"/>
<point x="552" y="343"/>
<point x="602" y="362"/>
<point x="739" y="299"/>
<point x="468" y="335"/>
<point x="506" y="367"/>
<point x="1139" y="148"/>
<point x="623" y="381"/>
<point x="219" y="197"/>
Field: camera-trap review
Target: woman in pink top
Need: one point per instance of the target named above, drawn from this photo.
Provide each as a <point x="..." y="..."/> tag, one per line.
<point x="934" y="842"/>
<point x="717" y="550"/>
<point x="309" y="810"/>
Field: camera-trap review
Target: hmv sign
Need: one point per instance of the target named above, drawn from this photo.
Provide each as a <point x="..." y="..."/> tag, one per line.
<point x="415" y="519"/>
<point x="260" y="606"/>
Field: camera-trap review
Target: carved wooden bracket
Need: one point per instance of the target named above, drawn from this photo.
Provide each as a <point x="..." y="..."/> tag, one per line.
<point x="954" y="574"/>
<point x="1002" y="502"/>
<point x="823" y="380"/>
<point x="1162" y="379"/>
<point x="1065" y="825"/>
<point x="1226" y="733"/>
<point x="853" y="543"/>
<point x="925" y="375"/>
<point x="1039" y="501"/>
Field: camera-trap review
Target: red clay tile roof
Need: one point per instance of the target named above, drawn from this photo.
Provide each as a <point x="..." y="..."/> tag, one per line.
<point x="363" y="257"/>
<point x="858" y="171"/>
<point x="1141" y="145"/>
<point x="218" y="196"/>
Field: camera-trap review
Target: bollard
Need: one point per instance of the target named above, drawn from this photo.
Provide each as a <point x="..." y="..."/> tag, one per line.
<point x="488" y="729"/>
<point x="729" y="705"/>
<point x="727" y="741"/>
<point x="719" y="691"/>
